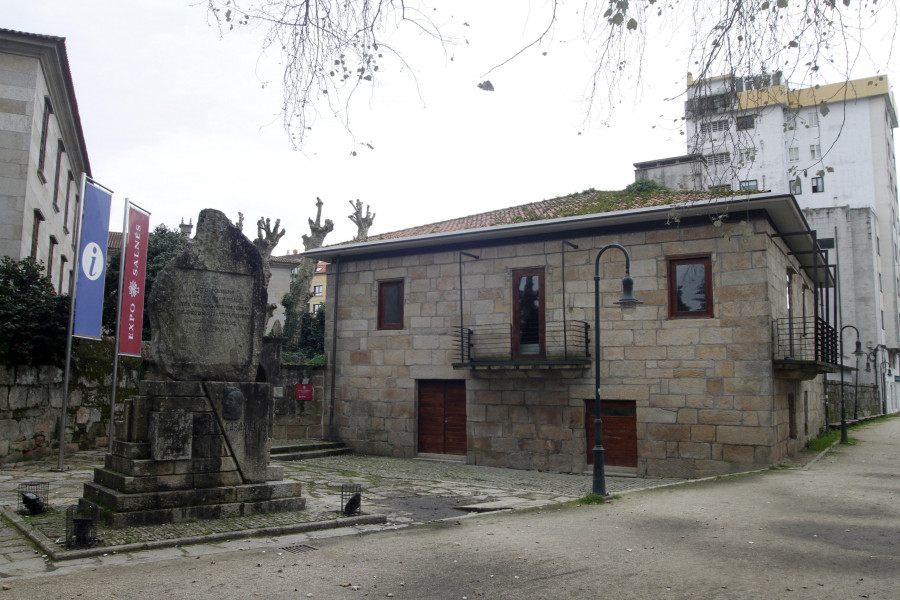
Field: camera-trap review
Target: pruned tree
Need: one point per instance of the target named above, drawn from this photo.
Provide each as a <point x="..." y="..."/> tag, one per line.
<point x="363" y="223"/>
<point x="295" y="300"/>
<point x="267" y="237"/>
<point x="331" y="49"/>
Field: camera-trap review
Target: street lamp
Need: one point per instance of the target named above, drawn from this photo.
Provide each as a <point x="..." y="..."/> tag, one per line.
<point x="858" y="352"/>
<point x="627" y="300"/>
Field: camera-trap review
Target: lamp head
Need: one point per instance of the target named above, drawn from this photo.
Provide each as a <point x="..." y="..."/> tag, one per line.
<point x="628" y="300"/>
<point x="859" y="350"/>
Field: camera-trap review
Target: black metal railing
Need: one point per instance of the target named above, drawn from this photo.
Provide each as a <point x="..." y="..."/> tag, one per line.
<point x="810" y="339"/>
<point x="491" y="343"/>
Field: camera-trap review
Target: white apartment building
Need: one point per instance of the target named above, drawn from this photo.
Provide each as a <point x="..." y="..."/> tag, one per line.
<point x="832" y="147"/>
<point x="42" y="153"/>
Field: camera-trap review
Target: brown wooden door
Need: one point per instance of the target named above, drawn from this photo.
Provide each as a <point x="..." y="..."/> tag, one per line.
<point x="619" y="428"/>
<point x="442" y="416"/>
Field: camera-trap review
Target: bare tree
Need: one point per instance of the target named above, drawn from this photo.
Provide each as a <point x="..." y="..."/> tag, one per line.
<point x="363" y="223"/>
<point x="332" y="48"/>
<point x="295" y="300"/>
<point x="267" y="238"/>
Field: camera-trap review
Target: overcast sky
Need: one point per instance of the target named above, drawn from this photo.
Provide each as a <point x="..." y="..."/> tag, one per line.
<point x="177" y="119"/>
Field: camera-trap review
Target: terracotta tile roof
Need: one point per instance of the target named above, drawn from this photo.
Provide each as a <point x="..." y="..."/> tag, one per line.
<point x="114" y="240"/>
<point x="287" y="259"/>
<point x="583" y="203"/>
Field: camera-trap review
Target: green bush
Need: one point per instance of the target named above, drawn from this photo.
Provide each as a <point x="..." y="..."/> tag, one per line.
<point x="33" y="318"/>
<point x="311" y="349"/>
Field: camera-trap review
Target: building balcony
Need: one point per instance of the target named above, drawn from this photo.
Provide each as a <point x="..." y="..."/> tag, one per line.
<point x="805" y="348"/>
<point x="561" y="345"/>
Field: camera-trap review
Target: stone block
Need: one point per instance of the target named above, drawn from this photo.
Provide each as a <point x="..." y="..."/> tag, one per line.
<point x="756" y="436"/>
<point x="720" y="417"/>
<point x="738" y="454"/>
<point x="669" y="432"/>
<point x="132" y="450"/>
<point x="171" y="388"/>
<point x="245" y="412"/>
<point x="693" y="450"/>
<point x="181" y="404"/>
<point x="171" y="435"/>
<point x="703" y="433"/>
<point x="208" y="446"/>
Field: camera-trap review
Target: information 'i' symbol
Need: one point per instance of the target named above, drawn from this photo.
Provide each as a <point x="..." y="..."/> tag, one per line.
<point x="92" y="261"/>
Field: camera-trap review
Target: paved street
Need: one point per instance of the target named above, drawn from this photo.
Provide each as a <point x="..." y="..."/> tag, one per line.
<point x="829" y="532"/>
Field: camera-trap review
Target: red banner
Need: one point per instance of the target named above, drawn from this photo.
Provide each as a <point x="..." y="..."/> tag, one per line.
<point x="134" y="269"/>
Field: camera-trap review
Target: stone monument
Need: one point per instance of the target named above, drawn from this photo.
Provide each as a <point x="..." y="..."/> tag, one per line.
<point x="195" y="442"/>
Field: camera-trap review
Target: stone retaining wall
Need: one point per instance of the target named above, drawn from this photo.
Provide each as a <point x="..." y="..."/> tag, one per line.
<point x="868" y="405"/>
<point x="31" y="402"/>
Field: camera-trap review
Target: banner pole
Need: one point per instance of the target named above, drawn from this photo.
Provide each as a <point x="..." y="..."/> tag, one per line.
<point x="115" y="379"/>
<point x="74" y="287"/>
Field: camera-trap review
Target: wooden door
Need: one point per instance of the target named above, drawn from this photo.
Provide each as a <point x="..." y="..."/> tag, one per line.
<point x="442" y="416"/>
<point x="619" y="428"/>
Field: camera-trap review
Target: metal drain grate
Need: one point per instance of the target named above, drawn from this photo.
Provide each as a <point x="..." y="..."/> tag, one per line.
<point x="299" y="549"/>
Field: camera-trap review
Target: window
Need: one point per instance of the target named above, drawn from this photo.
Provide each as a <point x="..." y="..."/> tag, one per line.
<point x="690" y="287"/>
<point x="818" y="185"/>
<point x="715" y="126"/>
<point x="62" y="272"/>
<point x="53" y="243"/>
<point x="75" y="220"/>
<point x="812" y="119"/>
<point x="795" y="185"/>
<point x="60" y="150"/>
<point x="317" y="290"/>
<point x="45" y="126"/>
<point x="720" y="158"/>
<point x="744" y="123"/>
<point x="749" y="184"/>
<point x="793" y="154"/>
<point x="69" y="182"/>
<point x="35" y="230"/>
<point x="528" y="312"/>
<point x="390" y="304"/>
<point x="790" y="120"/>
<point x="815" y="151"/>
<point x="314" y="308"/>
<point x="748" y="155"/>
<point x="725" y="187"/>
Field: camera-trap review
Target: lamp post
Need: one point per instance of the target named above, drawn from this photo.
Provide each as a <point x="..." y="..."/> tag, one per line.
<point x="627" y="300"/>
<point x="858" y="352"/>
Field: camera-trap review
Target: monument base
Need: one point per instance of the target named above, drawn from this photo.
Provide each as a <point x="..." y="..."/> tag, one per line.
<point x="192" y="450"/>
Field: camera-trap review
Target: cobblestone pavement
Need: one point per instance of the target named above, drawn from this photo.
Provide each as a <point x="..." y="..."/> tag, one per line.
<point x="405" y="491"/>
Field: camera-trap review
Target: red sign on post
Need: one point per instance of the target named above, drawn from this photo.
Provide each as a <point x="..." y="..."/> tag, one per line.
<point x="134" y="269"/>
<point x="304" y="392"/>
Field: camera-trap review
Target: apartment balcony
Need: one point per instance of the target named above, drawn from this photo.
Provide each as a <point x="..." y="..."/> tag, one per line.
<point x="503" y="347"/>
<point x="805" y="348"/>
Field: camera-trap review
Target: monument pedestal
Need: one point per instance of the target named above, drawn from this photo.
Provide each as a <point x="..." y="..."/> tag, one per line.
<point x="192" y="450"/>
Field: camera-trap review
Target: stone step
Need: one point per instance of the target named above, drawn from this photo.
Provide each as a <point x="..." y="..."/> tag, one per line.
<point x="300" y="450"/>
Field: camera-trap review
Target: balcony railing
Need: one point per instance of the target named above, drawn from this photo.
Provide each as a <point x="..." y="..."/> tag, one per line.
<point x="491" y="346"/>
<point x="808" y="342"/>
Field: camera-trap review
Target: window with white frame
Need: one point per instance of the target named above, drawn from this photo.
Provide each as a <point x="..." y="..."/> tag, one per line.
<point x="749" y="184"/>
<point x="790" y="120"/>
<point x="317" y="290"/>
<point x="795" y="185"/>
<point x="815" y="151"/>
<point x="812" y="119"/>
<point x="714" y="127"/>
<point x="719" y="158"/>
<point x="748" y="155"/>
<point x="818" y="185"/>
<point x="793" y="154"/>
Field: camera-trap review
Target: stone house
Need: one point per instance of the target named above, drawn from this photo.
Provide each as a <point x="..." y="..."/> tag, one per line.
<point x="42" y="153"/>
<point x="476" y="337"/>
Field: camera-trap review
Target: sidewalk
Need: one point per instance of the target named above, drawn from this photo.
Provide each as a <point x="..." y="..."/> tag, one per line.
<point x="396" y="493"/>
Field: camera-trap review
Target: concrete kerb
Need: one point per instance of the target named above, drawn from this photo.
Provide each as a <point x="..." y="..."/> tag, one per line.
<point x="48" y="547"/>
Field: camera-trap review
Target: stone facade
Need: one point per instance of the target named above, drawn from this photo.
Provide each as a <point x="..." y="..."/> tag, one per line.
<point x="42" y="153"/>
<point x="707" y="397"/>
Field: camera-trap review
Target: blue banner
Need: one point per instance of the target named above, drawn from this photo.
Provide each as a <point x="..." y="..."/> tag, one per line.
<point x="91" y="262"/>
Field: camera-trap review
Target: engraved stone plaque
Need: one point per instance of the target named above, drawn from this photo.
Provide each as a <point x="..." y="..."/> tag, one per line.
<point x="207" y="306"/>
